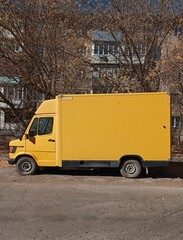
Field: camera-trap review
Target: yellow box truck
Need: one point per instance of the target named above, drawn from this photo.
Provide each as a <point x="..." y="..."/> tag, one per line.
<point x="125" y="131"/>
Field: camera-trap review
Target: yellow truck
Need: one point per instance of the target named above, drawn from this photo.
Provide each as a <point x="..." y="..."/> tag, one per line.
<point x="125" y="131"/>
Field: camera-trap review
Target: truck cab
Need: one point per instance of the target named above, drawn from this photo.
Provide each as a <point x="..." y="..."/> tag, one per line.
<point x="37" y="146"/>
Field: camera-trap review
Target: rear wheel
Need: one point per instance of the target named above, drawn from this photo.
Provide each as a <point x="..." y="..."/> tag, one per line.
<point x="26" y="166"/>
<point x="130" y="168"/>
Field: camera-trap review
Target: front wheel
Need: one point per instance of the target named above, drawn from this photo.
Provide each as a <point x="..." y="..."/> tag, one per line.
<point x="130" y="168"/>
<point x="26" y="166"/>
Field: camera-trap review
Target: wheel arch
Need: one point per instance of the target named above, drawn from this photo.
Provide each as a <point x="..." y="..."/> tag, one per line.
<point x="131" y="156"/>
<point x="24" y="155"/>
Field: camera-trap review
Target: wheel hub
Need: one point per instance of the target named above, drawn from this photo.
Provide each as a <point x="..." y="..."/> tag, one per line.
<point x="26" y="166"/>
<point x="130" y="168"/>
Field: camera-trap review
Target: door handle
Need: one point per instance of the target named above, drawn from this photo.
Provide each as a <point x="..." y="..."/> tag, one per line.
<point x="51" y="140"/>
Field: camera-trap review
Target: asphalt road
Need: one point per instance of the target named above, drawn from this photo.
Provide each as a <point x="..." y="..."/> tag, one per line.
<point x="89" y="205"/>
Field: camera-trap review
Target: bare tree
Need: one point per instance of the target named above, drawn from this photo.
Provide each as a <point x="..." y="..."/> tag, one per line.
<point x="42" y="44"/>
<point x="144" y="27"/>
<point x="170" y="72"/>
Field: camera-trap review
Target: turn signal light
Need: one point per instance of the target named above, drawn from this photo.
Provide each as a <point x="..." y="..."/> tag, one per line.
<point x="12" y="149"/>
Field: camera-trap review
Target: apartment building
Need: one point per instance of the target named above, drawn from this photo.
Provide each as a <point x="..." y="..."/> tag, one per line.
<point x="13" y="94"/>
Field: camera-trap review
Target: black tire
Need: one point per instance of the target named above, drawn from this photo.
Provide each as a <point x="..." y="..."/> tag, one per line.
<point x="131" y="168"/>
<point x="26" y="166"/>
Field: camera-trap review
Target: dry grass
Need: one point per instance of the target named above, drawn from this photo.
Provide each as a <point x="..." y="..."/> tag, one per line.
<point x="3" y="163"/>
<point x="3" y="159"/>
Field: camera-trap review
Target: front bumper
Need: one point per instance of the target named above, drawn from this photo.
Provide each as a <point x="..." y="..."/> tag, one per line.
<point x="11" y="161"/>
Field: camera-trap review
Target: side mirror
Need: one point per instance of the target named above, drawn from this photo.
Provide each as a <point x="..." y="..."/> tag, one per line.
<point x="32" y="133"/>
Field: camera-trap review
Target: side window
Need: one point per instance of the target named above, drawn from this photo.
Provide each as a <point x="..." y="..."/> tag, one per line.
<point x="33" y="128"/>
<point x="176" y="121"/>
<point x="45" y="126"/>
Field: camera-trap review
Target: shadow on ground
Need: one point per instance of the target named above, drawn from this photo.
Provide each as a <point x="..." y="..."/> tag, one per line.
<point x="173" y="171"/>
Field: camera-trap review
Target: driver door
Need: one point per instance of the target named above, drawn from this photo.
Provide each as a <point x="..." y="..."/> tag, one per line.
<point x="41" y="139"/>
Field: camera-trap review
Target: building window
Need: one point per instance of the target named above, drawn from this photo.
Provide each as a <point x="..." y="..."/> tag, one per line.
<point x="176" y="121"/>
<point x="105" y="48"/>
<point x="95" y="74"/>
<point x="139" y="49"/>
<point x="156" y="54"/>
<point x="105" y="70"/>
<point x="18" y="93"/>
<point x="9" y="92"/>
<point x="178" y="31"/>
<point x="109" y="70"/>
<point x="13" y="92"/>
